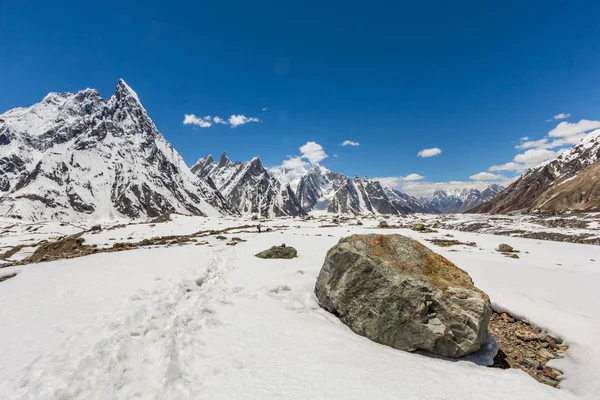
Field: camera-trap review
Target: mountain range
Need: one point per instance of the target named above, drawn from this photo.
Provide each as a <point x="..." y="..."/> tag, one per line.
<point x="570" y="181"/>
<point x="459" y="201"/>
<point x="79" y="156"/>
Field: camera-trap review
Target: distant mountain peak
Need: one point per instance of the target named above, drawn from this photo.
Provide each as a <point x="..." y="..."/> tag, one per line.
<point x="460" y="200"/>
<point x="223" y="160"/>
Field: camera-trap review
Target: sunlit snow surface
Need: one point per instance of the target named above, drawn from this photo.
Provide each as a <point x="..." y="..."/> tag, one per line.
<point x="215" y="322"/>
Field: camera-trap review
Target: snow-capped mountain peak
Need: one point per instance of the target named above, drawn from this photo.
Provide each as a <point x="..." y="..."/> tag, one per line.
<point x="249" y="187"/>
<point x="76" y="155"/>
<point x="460" y="200"/>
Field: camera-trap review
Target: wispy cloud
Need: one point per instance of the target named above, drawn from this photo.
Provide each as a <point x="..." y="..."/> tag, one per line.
<point x="486" y="176"/>
<point x="202" y="122"/>
<point x="561" y="116"/>
<point x="349" y="143"/>
<point x="265" y="108"/>
<point x="429" y="152"/>
<point x="237" y="120"/>
<point x="208" y="121"/>
<point x="396" y="182"/>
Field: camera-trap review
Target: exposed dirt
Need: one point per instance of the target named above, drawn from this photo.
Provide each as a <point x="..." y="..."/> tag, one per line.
<point x="525" y="347"/>
<point x="7" y="277"/>
<point x="69" y="247"/>
<point x="451" y="242"/>
<point x="74" y="246"/>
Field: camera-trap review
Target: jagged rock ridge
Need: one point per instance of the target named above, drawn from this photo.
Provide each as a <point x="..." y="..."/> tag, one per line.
<point x="77" y="155"/>
<point x="249" y="187"/>
<point x="325" y="190"/>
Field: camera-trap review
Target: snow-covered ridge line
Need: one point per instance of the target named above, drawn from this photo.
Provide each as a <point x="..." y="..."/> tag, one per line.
<point x="77" y="156"/>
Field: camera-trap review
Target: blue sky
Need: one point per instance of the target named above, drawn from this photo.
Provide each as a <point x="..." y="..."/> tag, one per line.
<point x="470" y="78"/>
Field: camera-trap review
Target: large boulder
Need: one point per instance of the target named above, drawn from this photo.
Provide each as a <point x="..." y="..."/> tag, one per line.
<point x="397" y="292"/>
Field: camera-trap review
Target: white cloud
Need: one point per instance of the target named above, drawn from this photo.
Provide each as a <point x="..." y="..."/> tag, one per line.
<point x="563" y="136"/>
<point x="562" y="116"/>
<point x="429" y="152"/>
<point x="510" y="166"/>
<point x="207" y="122"/>
<point x="486" y="176"/>
<point x="566" y="129"/>
<point x="542" y="143"/>
<point x="396" y="181"/>
<point x="335" y="155"/>
<point x="202" y="122"/>
<point x="265" y="108"/>
<point x="313" y="152"/>
<point x="349" y="143"/>
<point x="412" y="177"/>
<point x="236" y="120"/>
<point x="535" y="156"/>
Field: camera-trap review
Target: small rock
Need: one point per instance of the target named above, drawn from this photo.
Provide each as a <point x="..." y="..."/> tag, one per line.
<point x="545" y="380"/>
<point x="254" y="218"/>
<point x="221" y="237"/>
<point x="545" y="354"/>
<point x="418" y="227"/>
<point x="96" y="228"/>
<point x="504" y="248"/>
<point x="550" y="339"/>
<point x="145" y="242"/>
<point x="384" y="224"/>
<point x="510" y="255"/>
<point x="529" y="363"/>
<point x="507" y="317"/>
<point x="551" y="372"/>
<point x="358" y="223"/>
<point x="237" y="239"/>
<point x="280" y="252"/>
<point x="526" y="335"/>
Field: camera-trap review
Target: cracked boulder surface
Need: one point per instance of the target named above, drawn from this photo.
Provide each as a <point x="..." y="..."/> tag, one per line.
<point x="395" y="291"/>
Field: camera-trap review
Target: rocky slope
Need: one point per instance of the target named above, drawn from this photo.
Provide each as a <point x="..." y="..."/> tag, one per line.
<point x="556" y="185"/>
<point x="77" y="155"/>
<point x="249" y="188"/>
<point x="460" y="200"/>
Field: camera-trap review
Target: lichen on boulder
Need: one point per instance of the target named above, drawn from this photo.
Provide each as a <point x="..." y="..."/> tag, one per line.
<point x="397" y="292"/>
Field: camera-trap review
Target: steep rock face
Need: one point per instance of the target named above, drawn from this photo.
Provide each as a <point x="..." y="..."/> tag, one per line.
<point x="443" y="201"/>
<point x="579" y="193"/>
<point x="249" y="187"/>
<point x="361" y="196"/>
<point x="458" y="201"/>
<point x="525" y="193"/>
<point x="324" y="190"/>
<point x="318" y="187"/>
<point x="397" y="292"/>
<point x="408" y="204"/>
<point x="86" y="157"/>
